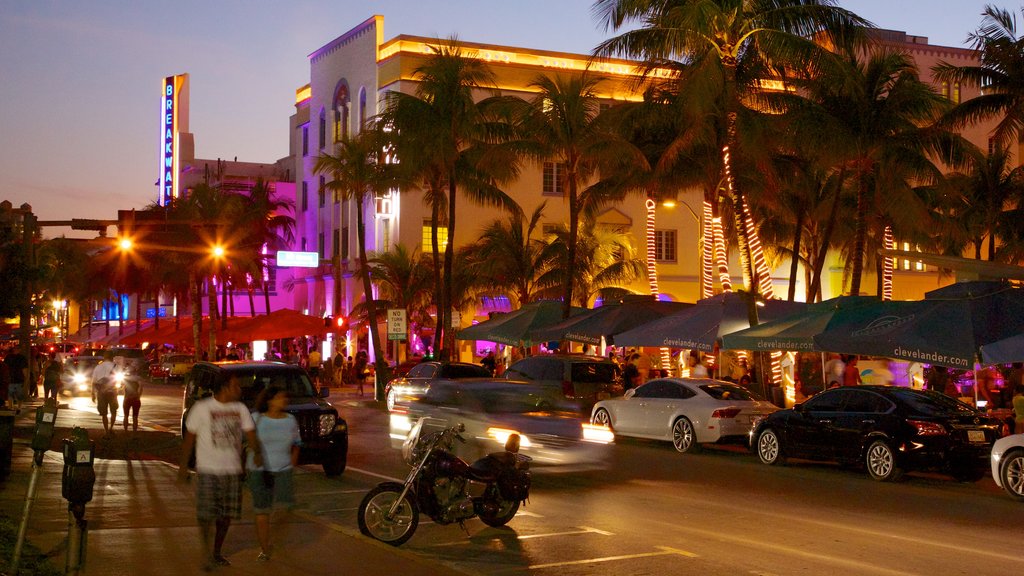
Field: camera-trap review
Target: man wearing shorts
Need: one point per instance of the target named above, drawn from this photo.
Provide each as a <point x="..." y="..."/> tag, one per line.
<point x="17" y="366"/>
<point x="104" y="391"/>
<point x="214" y="428"/>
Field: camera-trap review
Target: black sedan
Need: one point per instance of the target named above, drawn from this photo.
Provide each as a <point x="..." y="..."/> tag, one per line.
<point x="423" y="375"/>
<point x="888" y="429"/>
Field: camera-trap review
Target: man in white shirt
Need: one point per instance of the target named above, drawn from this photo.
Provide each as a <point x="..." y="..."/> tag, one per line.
<point x="214" y="427"/>
<point x="104" y="390"/>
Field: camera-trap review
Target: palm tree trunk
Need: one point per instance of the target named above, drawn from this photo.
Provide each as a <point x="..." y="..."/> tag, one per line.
<point x="860" y="234"/>
<point x="138" y="311"/>
<point x="707" y="260"/>
<point x="156" y="310"/>
<point x="223" y="304"/>
<point x="266" y="297"/>
<point x="991" y="247"/>
<point x="574" y="232"/>
<point x="794" y="265"/>
<point x="371" y="306"/>
<point x="826" y="240"/>
<point x="449" y="259"/>
<point x="435" y="214"/>
<point x="212" y="293"/>
<point x="252" y="302"/>
<point x="197" y="314"/>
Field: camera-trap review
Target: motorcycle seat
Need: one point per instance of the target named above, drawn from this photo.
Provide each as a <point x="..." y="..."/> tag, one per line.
<point x="489" y="467"/>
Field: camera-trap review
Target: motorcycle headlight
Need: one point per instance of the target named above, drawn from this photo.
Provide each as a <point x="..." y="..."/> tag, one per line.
<point x="326" y="424"/>
<point x="501" y="436"/>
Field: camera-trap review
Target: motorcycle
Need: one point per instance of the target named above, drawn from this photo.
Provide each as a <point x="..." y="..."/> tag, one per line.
<point x="438" y="486"/>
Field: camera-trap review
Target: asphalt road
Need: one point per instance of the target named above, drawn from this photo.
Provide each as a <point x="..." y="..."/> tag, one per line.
<point x="654" y="511"/>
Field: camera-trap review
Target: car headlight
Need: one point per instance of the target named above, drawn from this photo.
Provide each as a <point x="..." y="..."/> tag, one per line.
<point x="400" y="422"/>
<point x="326" y="424"/>
<point x="501" y="436"/>
<point x="118" y="378"/>
<point x="78" y="378"/>
<point x="598" y="434"/>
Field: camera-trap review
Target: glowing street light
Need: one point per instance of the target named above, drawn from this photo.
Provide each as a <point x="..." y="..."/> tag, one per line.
<point x="125" y="244"/>
<point x="217" y="251"/>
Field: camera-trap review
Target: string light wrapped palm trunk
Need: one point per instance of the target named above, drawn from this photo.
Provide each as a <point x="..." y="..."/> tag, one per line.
<point x="652" y="268"/>
<point x="887" y="264"/>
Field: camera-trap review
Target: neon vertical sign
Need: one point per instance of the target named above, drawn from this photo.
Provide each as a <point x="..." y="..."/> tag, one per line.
<point x="173" y="121"/>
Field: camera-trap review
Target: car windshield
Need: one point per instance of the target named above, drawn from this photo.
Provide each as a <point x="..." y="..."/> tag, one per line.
<point x="931" y="403"/>
<point x="729" y="392"/>
<point x="254" y="381"/>
<point x="458" y="371"/>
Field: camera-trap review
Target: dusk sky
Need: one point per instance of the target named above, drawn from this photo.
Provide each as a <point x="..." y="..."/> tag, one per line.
<point x="80" y="81"/>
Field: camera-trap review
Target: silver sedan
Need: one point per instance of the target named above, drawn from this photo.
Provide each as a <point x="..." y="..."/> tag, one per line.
<point x="687" y="411"/>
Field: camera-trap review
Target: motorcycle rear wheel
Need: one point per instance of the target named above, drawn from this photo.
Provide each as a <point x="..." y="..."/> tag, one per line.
<point x="373" y="515"/>
<point x="504" y="512"/>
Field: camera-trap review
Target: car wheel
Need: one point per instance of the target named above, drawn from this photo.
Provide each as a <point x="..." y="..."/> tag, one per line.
<point x="335" y="463"/>
<point x="683" y="436"/>
<point x="389" y="399"/>
<point x="769" y="448"/>
<point x="1011" y="474"/>
<point x="602" y="418"/>
<point x="880" y="460"/>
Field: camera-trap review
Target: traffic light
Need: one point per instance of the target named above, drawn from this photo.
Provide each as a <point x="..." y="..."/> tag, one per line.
<point x="341" y="323"/>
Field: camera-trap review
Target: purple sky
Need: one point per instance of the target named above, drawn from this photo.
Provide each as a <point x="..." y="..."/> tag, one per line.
<point x="80" y="81"/>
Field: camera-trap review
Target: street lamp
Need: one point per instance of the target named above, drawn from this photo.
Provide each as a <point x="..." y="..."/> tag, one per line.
<point x="125" y="244"/>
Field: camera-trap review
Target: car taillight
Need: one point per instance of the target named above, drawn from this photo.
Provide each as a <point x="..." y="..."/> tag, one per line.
<point x="725" y="413"/>
<point x="925" y="428"/>
<point x="567" y="389"/>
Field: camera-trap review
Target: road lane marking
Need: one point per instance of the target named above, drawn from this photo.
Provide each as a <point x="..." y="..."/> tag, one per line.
<point x="664" y="551"/>
<point x="582" y="530"/>
<point x="376" y="475"/>
<point x="333" y="492"/>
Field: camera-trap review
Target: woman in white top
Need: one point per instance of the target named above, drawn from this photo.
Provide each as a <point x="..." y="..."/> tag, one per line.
<point x="278" y="432"/>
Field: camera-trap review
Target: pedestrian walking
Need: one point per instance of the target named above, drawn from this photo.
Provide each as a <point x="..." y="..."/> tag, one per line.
<point x="214" y="429"/>
<point x="132" y="402"/>
<point x="52" y="370"/>
<point x="104" y="390"/>
<point x="271" y="483"/>
<point x="361" y="369"/>
<point x="315" y="364"/>
<point x="17" y="365"/>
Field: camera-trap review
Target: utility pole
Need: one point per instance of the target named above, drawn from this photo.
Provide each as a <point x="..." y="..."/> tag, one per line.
<point x="28" y="229"/>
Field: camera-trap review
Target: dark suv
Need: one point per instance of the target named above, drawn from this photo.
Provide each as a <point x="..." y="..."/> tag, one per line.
<point x="324" y="433"/>
<point x="581" y="379"/>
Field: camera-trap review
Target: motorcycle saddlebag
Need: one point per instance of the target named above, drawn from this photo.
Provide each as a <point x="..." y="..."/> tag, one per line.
<point x="514" y="485"/>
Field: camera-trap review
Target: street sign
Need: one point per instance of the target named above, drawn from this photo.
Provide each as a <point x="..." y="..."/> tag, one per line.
<point x="396" y="324"/>
<point x="456" y="319"/>
<point x="298" y="259"/>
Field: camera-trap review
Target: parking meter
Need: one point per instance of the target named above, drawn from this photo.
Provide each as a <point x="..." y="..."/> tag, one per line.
<point x="78" y="476"/>
<point x="46" y="419"/>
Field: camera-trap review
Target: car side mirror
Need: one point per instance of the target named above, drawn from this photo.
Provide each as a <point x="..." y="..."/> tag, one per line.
<point x="629" y="393"/>
<point x="324" y="392"/>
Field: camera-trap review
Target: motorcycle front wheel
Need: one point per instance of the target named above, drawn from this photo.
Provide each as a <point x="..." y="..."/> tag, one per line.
<point x="502" y="512"/>
<point x="375" y="522"/>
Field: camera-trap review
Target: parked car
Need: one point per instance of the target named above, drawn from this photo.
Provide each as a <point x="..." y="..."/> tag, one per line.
<point x="76" y="378"/>
<point x="494" y="409"/>
<point x="421" y="376"/>
<point x="136" y="359"/>
<point x="324" y="433"/>
<point x="687" y="411"/>
<point x="1007" y="462"/>
<point x="581" y="379"/>
<point x="888" y="429"/>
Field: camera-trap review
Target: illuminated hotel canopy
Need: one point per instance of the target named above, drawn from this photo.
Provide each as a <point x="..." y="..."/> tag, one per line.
<point x="173" y="122"/>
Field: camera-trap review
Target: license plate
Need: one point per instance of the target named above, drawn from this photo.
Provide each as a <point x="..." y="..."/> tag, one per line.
<point x="976" y="436"/>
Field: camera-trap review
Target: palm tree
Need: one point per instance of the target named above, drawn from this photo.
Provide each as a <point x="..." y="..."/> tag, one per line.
<point x="1000" y="75"/>
<point x="268" y="226"/>
<point x="606" y="264"/>
<point x="358" y="169"/>
<point x="443" y="135"/>
<point x="508" y="257"/>
<point x="403" y="280"/>
<point x="561" y="124"/>
<point x="728" y="39"/>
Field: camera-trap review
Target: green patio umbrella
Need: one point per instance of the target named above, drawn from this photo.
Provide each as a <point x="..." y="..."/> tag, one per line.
<point x="514" y="328"/>
<point x="608" y="320"/>
<point x="793" y="332"/>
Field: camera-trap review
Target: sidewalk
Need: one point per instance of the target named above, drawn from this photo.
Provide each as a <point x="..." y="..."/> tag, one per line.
<point x="141" y="519"/>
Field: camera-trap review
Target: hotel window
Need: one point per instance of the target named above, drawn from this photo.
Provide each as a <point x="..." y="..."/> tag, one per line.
<point x="428" y="242"/>
<point x="385" y="234"/>
<point x="320" y="245"/>
<point x="305" y="139"/>
<point x="554" y="179"/>
<point x="945" y="90"/>
<point x="341" y="113"/>
<point x="665" y="245"/>
<point x="323" y="130"/>
<point x="303" y="244"/>
<point x="956" y="93"/>
<point x="336" y="244"/>
<point x="337" y="196"/>
<point x="344" y="243"/>
<point x="909" y="264"/>
<point x="305" y="196"/>
<point x="362" y="108"/>
<point x="321" y="193"/>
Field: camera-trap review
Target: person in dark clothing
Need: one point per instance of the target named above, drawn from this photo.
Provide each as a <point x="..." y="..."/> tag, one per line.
<point x="630" y="373"/>
<point x="489" y="362"/>
<point x="17" y="364"/>
<point x="52" y="370"/>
